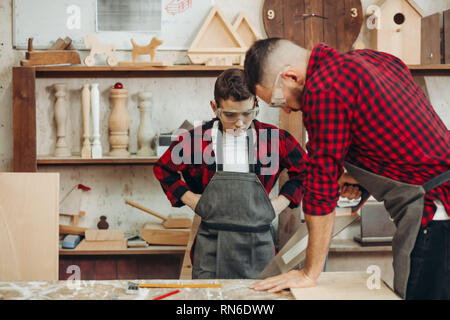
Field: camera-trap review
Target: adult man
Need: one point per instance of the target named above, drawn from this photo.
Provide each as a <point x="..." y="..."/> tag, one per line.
<point x="363" y="109"/>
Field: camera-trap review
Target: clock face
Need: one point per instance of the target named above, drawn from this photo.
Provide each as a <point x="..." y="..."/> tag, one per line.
<point x="308" y="22"/>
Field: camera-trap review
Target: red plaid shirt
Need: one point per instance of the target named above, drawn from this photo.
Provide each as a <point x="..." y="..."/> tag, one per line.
<point x="289" y="156"/>
<point x="364" y="107"/>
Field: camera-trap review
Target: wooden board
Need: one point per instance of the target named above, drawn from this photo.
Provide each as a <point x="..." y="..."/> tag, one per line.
<point x="35" y="58"/>
<point x="63" y="229"/>
<point x="140" y="64"/>
<point x="345" y="286"/>
<point x="447" y="36"/>
<point x="186" y="268"/>
<point x="155" y="233"/>
<point x="29" y="226"/>
<point x="101" y="235"/>
<point x="431" y="40"/>
<point x="102" y="245"/>
<point x="24" y="119"/>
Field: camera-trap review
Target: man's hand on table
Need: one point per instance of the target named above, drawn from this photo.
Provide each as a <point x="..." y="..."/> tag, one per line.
<point x="291" y="279"/>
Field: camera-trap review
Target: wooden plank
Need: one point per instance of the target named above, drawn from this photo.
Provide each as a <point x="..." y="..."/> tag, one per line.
<point x="29" y="226"/>
<point x="102" y="245"/>
<point x="330" y="30"/>
<point x="155" y="233"/>
<point x="105" y="268"/>
<point x="446" y="15"/>
<point x="61" y="44"/>
<point x="24" y="120"/>
<point x="313" y="27"/>
<point x="165" y="266"/>
<point x="294" y="25"/>
<point x="345" y="286"/>
<point x="35" y="58"/>
<point x="150" y="250"/>
<point x="78" y="161"/>
<point x="431" y="40"/>
<point x="127" y="268"/>
<point x="353" y="9"/>
<point x="99" y="235"/>
<point x="63" y="229"/>
<point x="186" y="268"/>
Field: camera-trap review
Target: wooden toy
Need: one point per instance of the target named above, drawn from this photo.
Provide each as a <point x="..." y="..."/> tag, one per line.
<point x="86" y="151"/>
<point x="65" y="56"/>
<point x="145" y="130"/>
<point x="119" y="122"/>
<point x="149" y="49"/>
<point x="91" y="41"/>
<point x="399" y="27"/>
<point x="217" y="43"/>
<point x="246" y="30"/>
<point x="61" y="149"/>
<point x="95" y="104"/>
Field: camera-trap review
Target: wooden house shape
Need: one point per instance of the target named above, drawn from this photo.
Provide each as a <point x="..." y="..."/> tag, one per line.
<point x="217" y="43"/>
<point x="399" y="29"/>
<point x="246" y="30"/>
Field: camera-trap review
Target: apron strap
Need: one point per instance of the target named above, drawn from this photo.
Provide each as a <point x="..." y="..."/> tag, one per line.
<point x="436" y="181"/>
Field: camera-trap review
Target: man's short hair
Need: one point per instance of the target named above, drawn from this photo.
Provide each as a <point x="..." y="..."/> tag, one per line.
<point x="255" y="60"/>
<point x="231" y="84"/>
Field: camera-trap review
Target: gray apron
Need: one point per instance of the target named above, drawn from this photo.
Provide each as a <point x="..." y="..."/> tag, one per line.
<point x="405" y="204"/>
<point x="234" y="240"/>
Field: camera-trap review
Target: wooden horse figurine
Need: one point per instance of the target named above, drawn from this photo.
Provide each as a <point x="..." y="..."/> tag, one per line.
<point x="98" y="48"/>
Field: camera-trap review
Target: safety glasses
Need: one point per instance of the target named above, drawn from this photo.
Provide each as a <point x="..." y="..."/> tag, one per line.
<point x="232" y="116"/>
<point x="278" y="100"/>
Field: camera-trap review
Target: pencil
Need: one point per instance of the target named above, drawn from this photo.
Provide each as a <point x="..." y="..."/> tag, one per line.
<point x="166" y="295"/>
<point x="162" y="285"/>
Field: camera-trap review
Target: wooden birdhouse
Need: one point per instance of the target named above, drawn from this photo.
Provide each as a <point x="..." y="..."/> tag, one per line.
<point x="246" y="30"/>
<point x="398" y="29"/>
<point x="217" y="43"/>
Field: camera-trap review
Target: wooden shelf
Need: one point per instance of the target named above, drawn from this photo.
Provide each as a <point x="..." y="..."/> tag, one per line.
<point x="133" y="160"/>
<point x="430" y="70"/>
<point x="109" y="72"/>
<point x="130" y="251"/>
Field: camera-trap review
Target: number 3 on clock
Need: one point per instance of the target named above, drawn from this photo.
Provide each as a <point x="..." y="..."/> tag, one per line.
<point x="354" y="12"/>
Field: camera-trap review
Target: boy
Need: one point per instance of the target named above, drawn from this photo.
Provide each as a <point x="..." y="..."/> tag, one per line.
<point x="229" y="166"/>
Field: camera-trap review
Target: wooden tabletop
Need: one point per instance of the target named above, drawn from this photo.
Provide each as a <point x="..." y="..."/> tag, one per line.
<point x="338" y="285"/>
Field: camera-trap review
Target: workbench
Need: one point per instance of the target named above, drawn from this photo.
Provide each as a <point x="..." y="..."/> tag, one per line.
<point x="116" y="290"/>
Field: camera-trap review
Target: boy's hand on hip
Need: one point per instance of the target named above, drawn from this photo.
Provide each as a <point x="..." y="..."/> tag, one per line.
<point x="191" y="199"/>
<point x="279" y="204"/>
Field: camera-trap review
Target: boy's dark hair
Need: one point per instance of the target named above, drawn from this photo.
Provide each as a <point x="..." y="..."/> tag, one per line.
<point x="231" y="84"/>
<point x="254" y="61"/>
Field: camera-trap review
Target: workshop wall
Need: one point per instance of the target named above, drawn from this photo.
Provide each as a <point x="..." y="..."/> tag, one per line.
<point x="175" y="99"/>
